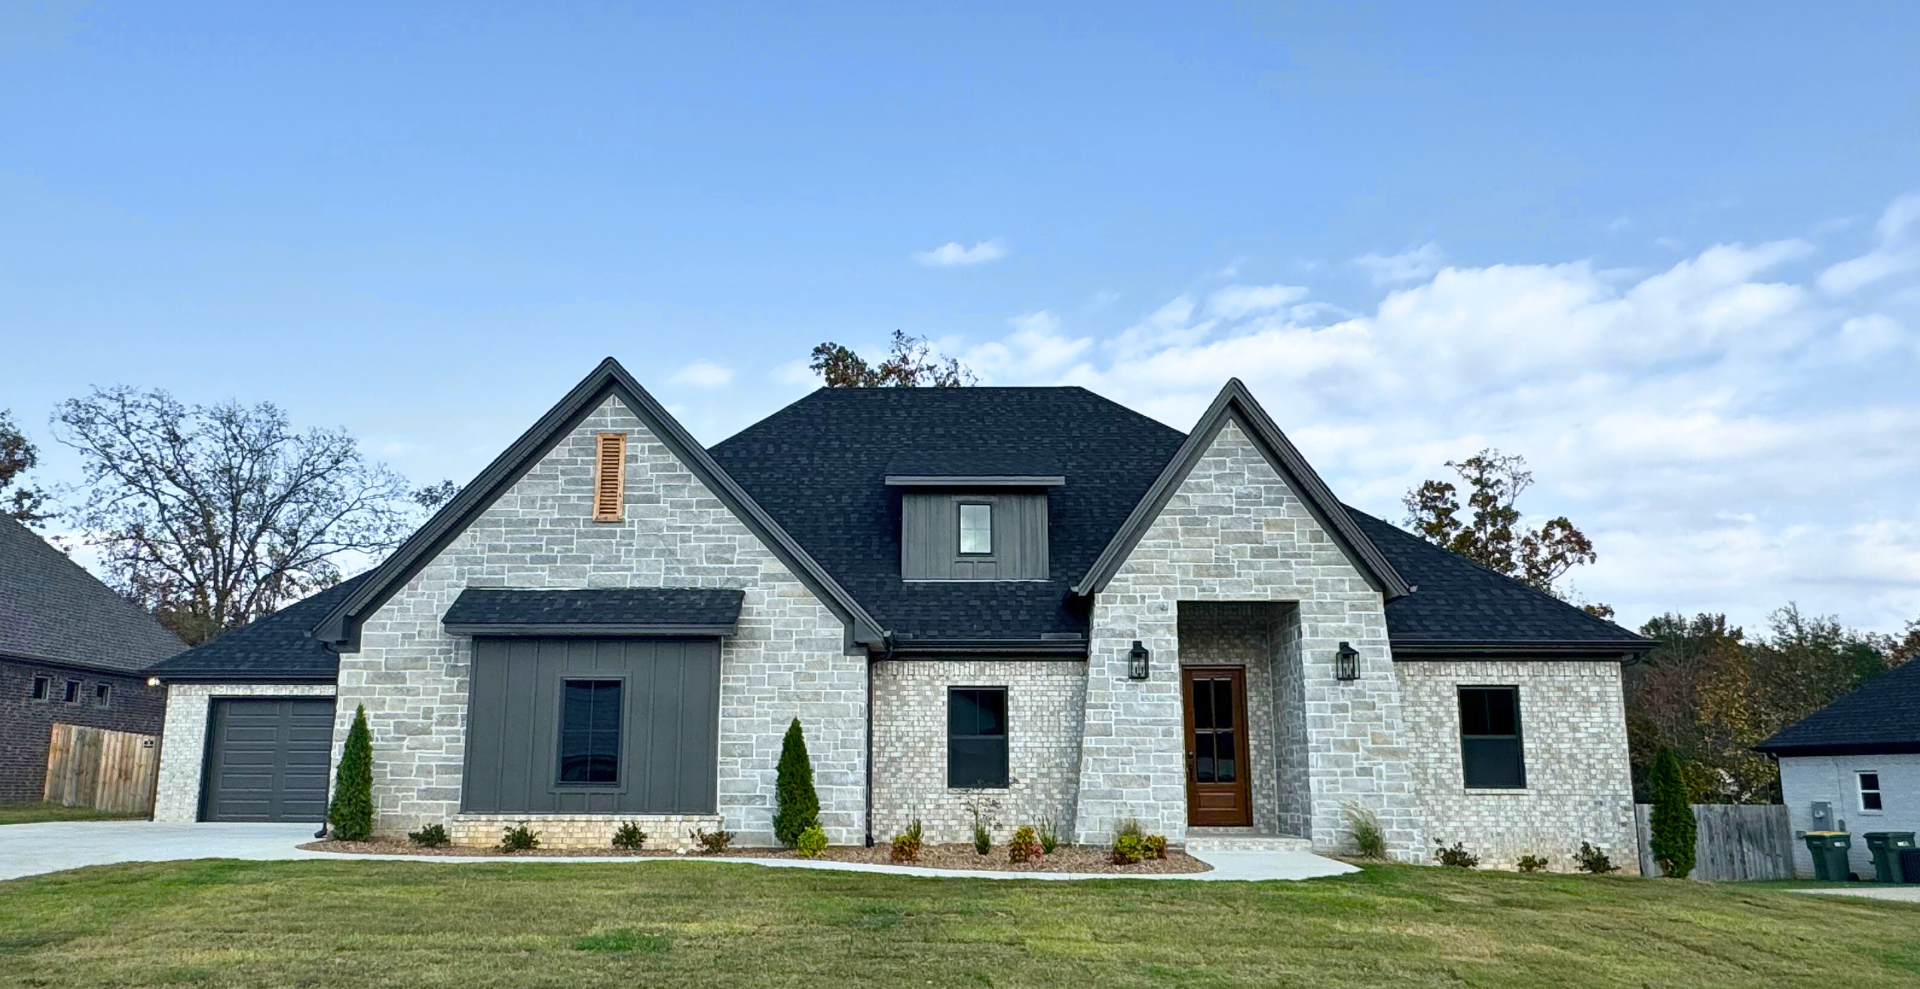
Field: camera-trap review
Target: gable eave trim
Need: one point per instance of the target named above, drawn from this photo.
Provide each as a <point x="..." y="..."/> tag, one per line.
<point x="340" y="628"/>
<point x="1236" y="404"/>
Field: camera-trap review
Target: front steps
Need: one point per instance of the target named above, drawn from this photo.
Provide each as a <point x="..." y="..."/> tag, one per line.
<point x="1243" y="840"/>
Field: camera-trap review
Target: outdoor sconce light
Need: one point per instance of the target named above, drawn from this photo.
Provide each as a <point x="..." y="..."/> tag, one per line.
<point x="1137" y="661"/>
<point x="1346" y="663"/>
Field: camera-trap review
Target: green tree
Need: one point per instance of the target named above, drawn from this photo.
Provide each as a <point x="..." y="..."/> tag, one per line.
<point x="351" y="813"/>
<point x="1489" y="530"/>
<point x="798" y="805"/>
<point x="1673" y="827"/>
<point x="17" y="456"/>
<point x="909" y="364"/>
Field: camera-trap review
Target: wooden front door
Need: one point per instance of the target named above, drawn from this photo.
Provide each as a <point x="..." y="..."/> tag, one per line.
<point x="1218" y="792"/>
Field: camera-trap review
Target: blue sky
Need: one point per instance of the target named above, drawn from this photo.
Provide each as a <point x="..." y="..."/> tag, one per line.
<point x="1669" y="255"/>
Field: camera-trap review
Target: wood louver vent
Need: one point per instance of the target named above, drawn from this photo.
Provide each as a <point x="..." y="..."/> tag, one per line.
<point x="609" y="476"/>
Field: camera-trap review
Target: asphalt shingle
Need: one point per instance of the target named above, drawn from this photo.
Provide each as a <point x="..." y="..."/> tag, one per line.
<point x="52" y="609"/>
<point x="273" y="647"/>
<point x="1882" y="716"/>
<point x="601" y="606"/>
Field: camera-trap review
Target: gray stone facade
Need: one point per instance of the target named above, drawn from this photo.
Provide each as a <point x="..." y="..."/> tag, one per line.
<point x="1574" y="742"/>
<point x="183" y="742"/>
<point x="1235" y="531"/>
<point x="1045" y="700"/>
<point x="787" y="659"/>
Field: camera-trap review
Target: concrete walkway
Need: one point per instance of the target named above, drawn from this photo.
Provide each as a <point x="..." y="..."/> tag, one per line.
<point x="33" y="849"/>
<point x="1871" y="891"/>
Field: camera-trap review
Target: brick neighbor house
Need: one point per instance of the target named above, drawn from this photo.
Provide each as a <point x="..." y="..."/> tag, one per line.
<point x="72" y="651"/>
<point x="1029" y="601"/>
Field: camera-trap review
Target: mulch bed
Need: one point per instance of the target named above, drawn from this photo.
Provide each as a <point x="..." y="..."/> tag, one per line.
<point x="1067" y="858"/>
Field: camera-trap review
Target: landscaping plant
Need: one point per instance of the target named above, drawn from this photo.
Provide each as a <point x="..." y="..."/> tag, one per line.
<point x="1594" y="860"/>
<point x="1024" y="846"/>
<point x="430" y="836"/>
<point x="906" y="844"/>
<point x="1154" y="846"/>
<point x="811" y="843"/>
<point x="351" y="813"/>
<point x="712" y="842"/>
<point x="798" y="806"/>
<point x="1457" y="856"/>
<point x="1129" y="842"/>
<point x="1364" y="828"/>
<point x="1531" y="863"/>
<point x="630" y="837"/>
<point x="1673" y="826"/>
<point x="519" y="838"/>
<point x="1049" y="833"/>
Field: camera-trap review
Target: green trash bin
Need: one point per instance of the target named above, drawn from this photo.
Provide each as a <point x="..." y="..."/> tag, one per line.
<point x="1886" y="847"/>
<point x="1829" y="850"/>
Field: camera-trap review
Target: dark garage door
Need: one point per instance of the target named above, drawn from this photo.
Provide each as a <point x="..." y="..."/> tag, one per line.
<point x="267" y="759"/>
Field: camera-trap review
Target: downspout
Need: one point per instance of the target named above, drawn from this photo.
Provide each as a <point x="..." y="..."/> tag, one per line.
<point x="871" y="660"/>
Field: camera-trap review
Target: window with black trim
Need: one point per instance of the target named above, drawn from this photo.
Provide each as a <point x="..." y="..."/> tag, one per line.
<point x="1869" y="791"/>
<point x="103" y="695"/>
<point x="590" y="731"/>
<point x="42" y="687"/>
<point x="72" y="695"/>
<point x="976" y="529"/>
<point x="1491" y="754"/>
<point x="976" y="737"/>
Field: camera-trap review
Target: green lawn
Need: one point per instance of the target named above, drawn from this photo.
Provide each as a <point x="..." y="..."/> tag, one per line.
<point x="36" y="812"/>
<point x="695" y="924"/>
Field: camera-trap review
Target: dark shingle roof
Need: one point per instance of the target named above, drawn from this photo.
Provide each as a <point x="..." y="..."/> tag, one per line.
<point x="52" y="609"/>
<point x="1459" y="603"/>
<point x="632" y="607"/>
<point x="273" y="647"/>
<point x="1882" y="716"/>
<point x="819" y="466"/>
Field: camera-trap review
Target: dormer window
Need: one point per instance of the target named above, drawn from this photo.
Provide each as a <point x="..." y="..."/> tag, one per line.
<point x="976" y="528"/>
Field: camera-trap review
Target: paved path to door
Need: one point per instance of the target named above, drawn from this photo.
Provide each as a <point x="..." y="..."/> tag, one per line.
<point x="32" y="849"/>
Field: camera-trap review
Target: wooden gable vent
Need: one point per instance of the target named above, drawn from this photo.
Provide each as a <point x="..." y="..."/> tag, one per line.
<point x="609" y="476"/>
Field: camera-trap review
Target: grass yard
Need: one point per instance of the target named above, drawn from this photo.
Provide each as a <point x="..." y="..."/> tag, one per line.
<point x="36" y="813"/>
<point x="353" y="923"/>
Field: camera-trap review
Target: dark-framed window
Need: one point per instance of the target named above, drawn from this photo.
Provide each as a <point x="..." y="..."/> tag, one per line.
<point x="976" y="737"/>
<point x="1870" y="791"/>
<point x="72" y="695"/>
<point x="976" y="528"/>
<point x="590" y="732"/>
<point x="1491" y="753"/>
<point x="42" y="687"/>
<point x="103" y="695"/>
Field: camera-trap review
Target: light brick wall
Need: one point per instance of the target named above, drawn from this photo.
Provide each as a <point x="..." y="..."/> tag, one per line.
<point x="1234" y="531"/>
<point x="568" y="831"/>
<point x="1044" y="703"/>
<point x="787" y="660"/>
<point x="183" y="742"/>
<point x="1574" y="738"/>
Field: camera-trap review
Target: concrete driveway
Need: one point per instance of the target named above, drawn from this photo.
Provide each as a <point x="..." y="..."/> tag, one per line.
<point x="33" y="849"/>
<point x="1872" y="891"/>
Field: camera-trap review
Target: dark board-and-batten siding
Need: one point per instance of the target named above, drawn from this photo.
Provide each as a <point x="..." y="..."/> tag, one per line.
<point x="930" y="536"/>
<point x="669" y="723"/>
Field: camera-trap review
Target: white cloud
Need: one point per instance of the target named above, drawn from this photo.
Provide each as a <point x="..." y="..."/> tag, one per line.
<point x="1036" y="348"/>
<point x="1869" y="335"/>
<point x="952" y="253"/>
<point x="1237" y="301"/>
<point x="702" y="374"/>
<point x="1898" y="252"/>
<point x="1387" y="269"/>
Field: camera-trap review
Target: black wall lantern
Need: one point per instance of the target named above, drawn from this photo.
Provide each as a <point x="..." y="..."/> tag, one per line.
<point x="1137" y="661"/>
<point x="1346" y="663"/>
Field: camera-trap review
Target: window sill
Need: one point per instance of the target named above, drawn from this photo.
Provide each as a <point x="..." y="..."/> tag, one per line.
<point x="1496" y="791"/>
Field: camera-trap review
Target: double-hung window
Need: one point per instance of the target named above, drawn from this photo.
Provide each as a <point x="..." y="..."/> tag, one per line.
<point x="1869" y="791"/>
<point x="590" y="732"/>
<point x="976" y="737"/>
<point x="1491" y="755"/>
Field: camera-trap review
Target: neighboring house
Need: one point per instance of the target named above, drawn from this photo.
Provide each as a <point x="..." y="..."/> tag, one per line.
<point x="71" y="651"/>
<point x="1032" y="602"/>
<point x="1854" y="765"/>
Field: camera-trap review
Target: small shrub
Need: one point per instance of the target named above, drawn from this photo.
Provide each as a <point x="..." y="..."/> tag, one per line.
<point x="1594" y="860"/>
<point x="982" y="810"/>
<point x="1049" y="834"/>
<point x="711" y="842"/>
<point x="1531" y="863"/>
<point x="1128" y="826"/>
<point x="630" y="837"/>
<point x="1155" y="846"/>
<point x="1457" y="856"/>
<point x="982" y="839"/>
<point x="1127" y="849"/>
<point x="906" y="844"/>
<point x="1368" y="839"/>
<point x="430" y="836"/>
<point x="811" y="843"/>
<point x="625" y="941"/>
<point x="1025" y="845"/>
<point x="519" y="838"/>
<point x="798" y="803"/>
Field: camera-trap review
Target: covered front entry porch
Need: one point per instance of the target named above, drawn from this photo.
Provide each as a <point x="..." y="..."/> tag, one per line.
<point x="1244" y="731"/>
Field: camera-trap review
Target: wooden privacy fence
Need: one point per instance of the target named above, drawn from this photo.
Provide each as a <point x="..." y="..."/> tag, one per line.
<point x="1735" y="842"/>
<point x="107" y="770"/>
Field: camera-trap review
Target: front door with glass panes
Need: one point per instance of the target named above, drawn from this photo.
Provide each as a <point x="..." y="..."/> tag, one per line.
<point x="1218" y="791"/>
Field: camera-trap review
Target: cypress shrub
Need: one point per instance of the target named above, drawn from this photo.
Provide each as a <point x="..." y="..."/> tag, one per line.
<point x="351" y="813"/>
<point x="799" y="805"/>
<point x="1672" y="821"/>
